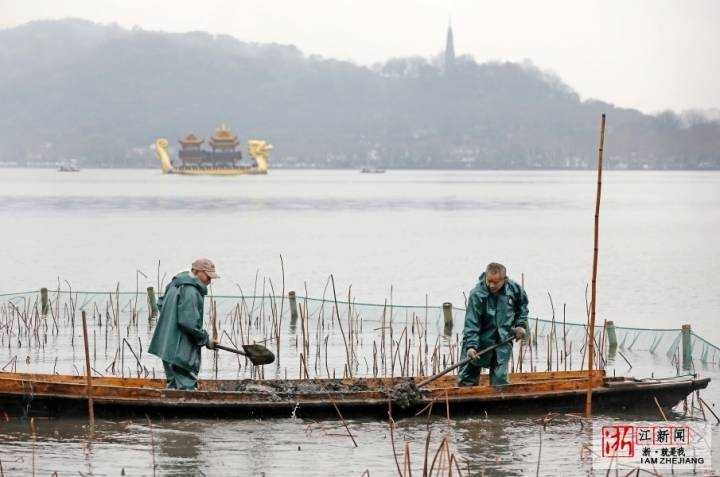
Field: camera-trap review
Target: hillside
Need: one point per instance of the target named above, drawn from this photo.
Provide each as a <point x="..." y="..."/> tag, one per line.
<point x="101" y="93"/>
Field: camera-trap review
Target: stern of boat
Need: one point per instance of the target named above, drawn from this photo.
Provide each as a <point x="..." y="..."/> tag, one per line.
<point x="626" y="394"/>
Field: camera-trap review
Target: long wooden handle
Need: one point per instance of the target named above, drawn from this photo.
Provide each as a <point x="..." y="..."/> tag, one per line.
<point x="463" y="362"/>
<point x="232" y="350"/>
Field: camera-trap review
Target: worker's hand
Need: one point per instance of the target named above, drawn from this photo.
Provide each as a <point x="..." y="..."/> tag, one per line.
<point x="519" y="332"/>
<point x="211" y="344"/>
<point x="471" y="353"/>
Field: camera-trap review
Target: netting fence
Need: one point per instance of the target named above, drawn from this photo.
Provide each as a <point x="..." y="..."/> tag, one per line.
<point x="311" y="337"/>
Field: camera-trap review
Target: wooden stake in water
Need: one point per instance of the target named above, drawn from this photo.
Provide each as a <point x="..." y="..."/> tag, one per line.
<point x="686" y="334"/>
<point x="448" y="317"/>
<point x="593" y="293"/>
<point x="152" y="304"/>
<point x="44" y="301"/>
<point x="88" y="376"/>
<point x="293" y="306"/>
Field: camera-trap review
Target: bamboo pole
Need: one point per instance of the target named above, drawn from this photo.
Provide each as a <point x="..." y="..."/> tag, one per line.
<point x="88" y="376"/>
<point x="593" y="293"/>
<point x="213" y="316"/>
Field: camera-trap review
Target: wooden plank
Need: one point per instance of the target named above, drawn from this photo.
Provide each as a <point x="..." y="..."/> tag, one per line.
<point x="117" y="388"/>
<point x="107" y="381"/>
<point x="443" y="382"/>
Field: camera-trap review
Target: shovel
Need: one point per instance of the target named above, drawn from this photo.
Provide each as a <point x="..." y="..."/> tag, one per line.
<point x="256" y="353"/>
<point x="462" y="362"/>
<point x="408" y="392"/>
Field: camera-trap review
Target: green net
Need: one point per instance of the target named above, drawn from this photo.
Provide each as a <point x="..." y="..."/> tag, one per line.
<point x="311" y="337"/>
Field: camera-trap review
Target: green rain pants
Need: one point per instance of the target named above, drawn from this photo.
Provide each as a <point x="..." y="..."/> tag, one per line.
<point x="179" y="378"/>
<point x="470" y="373"/>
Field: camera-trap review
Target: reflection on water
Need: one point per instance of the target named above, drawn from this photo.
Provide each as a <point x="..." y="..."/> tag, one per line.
<point x="121" y="204"/>
<point x="492" y="445"/>
<point x="179" y="450"/>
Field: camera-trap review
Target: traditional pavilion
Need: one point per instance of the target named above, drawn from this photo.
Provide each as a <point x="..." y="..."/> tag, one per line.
<point x="191" y="153"/>
<point x="224" y="151"/>
<point x="223" y="140"/>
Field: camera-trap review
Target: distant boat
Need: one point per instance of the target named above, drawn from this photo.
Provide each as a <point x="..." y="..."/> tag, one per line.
<point x="372" y="170"/>
<point x="69" y="166"/>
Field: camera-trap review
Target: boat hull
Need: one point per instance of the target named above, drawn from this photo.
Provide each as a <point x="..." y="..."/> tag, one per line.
<point x="55" y="396"/>
<point x="218" y="172"/>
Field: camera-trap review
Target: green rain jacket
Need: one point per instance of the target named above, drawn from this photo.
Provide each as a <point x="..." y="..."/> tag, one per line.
<point x="179" y="334"/>
<point x="490" y="318"/>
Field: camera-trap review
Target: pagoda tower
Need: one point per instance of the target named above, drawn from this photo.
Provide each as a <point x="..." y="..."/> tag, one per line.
<point x="449" y="50"/>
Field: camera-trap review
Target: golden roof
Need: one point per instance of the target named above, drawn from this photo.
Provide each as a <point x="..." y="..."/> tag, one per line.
<point x="223" y="134"/>
<point x="191" y="139"/>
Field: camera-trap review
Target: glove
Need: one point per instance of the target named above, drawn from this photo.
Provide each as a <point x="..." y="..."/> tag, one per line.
<point x="519" y="332"/>
<point x="211" y="344"/>
<point x="471" y="353"/>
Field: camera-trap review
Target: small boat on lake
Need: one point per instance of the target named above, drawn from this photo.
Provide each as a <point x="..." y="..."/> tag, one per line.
<point x="372" y="170"/>
<point x="68" y="166"/>
<point x="58" y="395"/>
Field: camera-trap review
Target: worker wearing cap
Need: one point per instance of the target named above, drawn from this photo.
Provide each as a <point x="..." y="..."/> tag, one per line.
<point x="179" y="334"/>
<point x="497" y="309"/>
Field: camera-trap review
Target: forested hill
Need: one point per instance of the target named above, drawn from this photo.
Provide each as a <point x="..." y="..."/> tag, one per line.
<point x="103" y="94"/>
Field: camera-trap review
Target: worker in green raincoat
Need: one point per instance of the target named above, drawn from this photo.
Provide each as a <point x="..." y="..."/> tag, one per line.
<point x="497" y="309"/>
<point x="179" y="335"/>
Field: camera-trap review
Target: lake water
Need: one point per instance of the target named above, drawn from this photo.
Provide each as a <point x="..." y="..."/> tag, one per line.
<point x="422" y="234"/>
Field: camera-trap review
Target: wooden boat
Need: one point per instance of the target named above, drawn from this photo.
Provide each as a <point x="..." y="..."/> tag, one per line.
<point x="69" y="166"/>
<point x="56" y="395"/>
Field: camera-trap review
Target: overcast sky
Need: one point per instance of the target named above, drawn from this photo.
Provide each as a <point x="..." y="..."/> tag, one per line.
<point x="650" y="55"/>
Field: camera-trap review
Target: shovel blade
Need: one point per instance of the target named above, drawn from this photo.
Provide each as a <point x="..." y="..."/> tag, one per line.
<point x="258" y="354"/>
